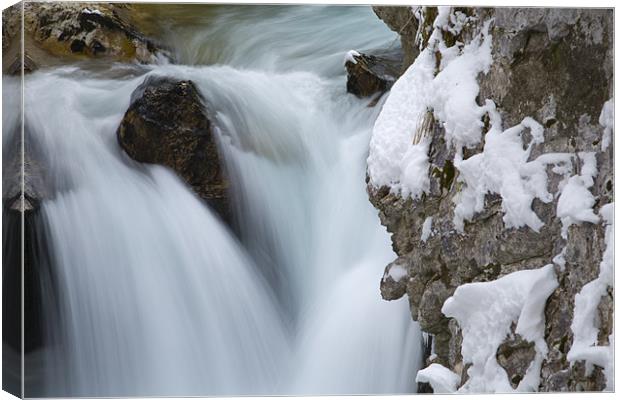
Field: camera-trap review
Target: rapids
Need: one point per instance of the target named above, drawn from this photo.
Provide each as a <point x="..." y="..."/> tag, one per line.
<point x="156" y="296"/>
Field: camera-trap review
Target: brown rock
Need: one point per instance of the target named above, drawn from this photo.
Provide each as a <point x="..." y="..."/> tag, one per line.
<point x="60" y="32"/>
<point x="371" y="74"/>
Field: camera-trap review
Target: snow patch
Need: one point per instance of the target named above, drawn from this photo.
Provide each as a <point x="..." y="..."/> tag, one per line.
<point x="455" y="89"/>
<point x="458" y="20"/>
<point x="606" y="119"/>
<point x="485" y="312"/>
<point x="395" y="126"/>
<point x="397" y="272"/>
<point x="443" y="18"/>
<point x="395" y="159"/>
<point x="576" y="201"/>
<point x="503" y="168"/>
<point x="585" y="330"/>
<point x="427" y="228"/>
<point x="441" y="379"/>
<point x="559" y="259"/>
<point x="350" y="56"/>
<point x="414" y="170"/>
<point x="93" y="11"/>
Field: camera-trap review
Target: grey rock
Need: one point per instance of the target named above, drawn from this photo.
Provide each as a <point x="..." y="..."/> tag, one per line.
<point x="392" y="289"/>
<point x="402" y="21"/>
<point x="515" y="355"/>
<point x="430" y="317"/>
<point x="556" y="66"/>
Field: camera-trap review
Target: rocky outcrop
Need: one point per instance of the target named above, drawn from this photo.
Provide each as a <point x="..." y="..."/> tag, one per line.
<point x="24" y="165"/>
<point x="541" y="58"/>
<point x="371" y="74"/>
<point x="57" y="32"/>
<point x="167" y="123"/>
<point x="23" y="174"/>
<point x="25" y="184"/>
<point x="402" y="21"/>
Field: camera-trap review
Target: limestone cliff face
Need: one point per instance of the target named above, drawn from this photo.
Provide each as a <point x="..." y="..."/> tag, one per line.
<point x="556" y="66"/>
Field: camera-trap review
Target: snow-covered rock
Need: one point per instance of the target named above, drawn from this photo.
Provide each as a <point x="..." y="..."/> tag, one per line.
<point x="486" y="312"/>
<point x="514" y="167"/>
<point x="441" y="379"/>
<point x="369" y="74"/>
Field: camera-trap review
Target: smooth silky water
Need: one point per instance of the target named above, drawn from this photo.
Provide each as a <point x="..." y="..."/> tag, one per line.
<point x="156" y="295"/>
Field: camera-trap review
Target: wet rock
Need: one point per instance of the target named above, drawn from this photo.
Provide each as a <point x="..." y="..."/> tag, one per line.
<point x="60" y="32"/>
<point x="370" y="74"/>
<point x="167" y="123"/>
<point x="539" y="61"/>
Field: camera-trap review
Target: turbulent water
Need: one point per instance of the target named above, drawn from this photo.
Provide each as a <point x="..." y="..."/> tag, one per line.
<point x="157" y="296"/>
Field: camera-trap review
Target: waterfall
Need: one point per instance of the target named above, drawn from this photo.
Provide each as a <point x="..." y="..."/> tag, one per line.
<point x="156" y="295"/>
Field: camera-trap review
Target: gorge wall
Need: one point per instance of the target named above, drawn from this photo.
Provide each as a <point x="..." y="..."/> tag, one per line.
<point x="491" y="165"/>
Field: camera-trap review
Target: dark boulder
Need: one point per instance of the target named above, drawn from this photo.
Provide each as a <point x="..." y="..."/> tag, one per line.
<point x="167" y="123"/>
<point x="371" y="74"/>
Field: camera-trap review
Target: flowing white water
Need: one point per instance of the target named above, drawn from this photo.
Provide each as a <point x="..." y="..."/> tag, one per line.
<point x="158" y="297"/>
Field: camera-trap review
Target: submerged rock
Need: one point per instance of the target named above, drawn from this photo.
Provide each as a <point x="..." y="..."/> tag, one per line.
<point x="370" y="74"/>
<point x="167" y="123"/>
<point x="540" y="58"/>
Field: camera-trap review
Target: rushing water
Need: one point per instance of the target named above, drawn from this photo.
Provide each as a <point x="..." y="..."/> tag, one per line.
<point x="157" y="296"/>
